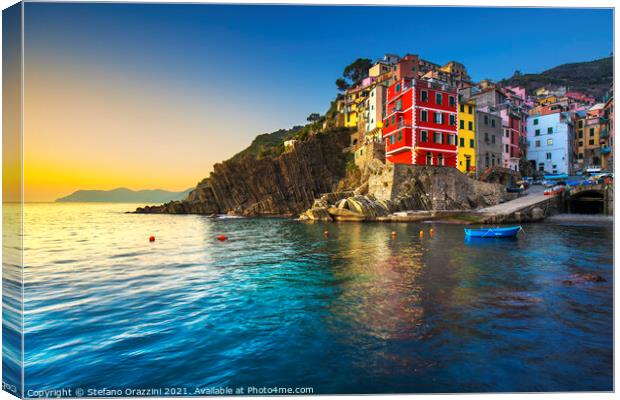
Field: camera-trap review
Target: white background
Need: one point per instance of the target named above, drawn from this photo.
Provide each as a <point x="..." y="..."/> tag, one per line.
<point x="496" y="3"/>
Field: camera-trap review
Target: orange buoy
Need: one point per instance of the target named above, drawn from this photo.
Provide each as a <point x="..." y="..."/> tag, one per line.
<point x="326" y="233"/>
<point x="421" y="233"/>
<point x="431" y="232"/>
<point x="151" y="238"/>
<point x="222" y="238"/>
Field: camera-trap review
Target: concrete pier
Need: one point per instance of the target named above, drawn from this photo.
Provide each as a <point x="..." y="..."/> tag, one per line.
<point x="533" y="206"/>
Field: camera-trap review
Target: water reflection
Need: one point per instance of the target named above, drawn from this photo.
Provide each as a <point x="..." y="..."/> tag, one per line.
<point x="280" y="304"/>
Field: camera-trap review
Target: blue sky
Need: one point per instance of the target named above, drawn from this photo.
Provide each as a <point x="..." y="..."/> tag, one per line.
<point x="289" y="48"/>
<point x="238" y="71"/>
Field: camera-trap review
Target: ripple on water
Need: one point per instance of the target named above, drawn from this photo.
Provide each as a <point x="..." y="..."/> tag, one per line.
<point x="279" y="304"/>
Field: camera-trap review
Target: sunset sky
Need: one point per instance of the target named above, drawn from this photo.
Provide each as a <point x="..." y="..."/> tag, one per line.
<point x="151" y="96"/>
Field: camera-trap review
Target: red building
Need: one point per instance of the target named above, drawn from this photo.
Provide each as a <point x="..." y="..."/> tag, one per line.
<point x="420" y="127"/>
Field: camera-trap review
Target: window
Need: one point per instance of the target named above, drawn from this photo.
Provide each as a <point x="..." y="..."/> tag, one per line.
<point x="462" y="142"/>
<point x="451" y="101"/>
<point x="438" y="98"/>
<point x="424" y="96"/>
<point x="470" y="126"/>
<point x="493" y="123"/>
<point x="399" y="105"/>
<point x="549" y="142"/>
<point x="591" y="131"/>
<point x="529" y="143"/>
<point x="492" y="138"/>
<point x="462" y="124"/>
<point x="506" y="148"/>
<point x="452" y="140"/>
<point x="537" y="132"/>
<point x="550" y="129"/>
<point x="581" y="123"/>
<point x="486" y="137"/>
<point x="580" y="134"/>
<point x="469" y="110"/>
<point x="462" y="108"/>
<point x="536" y="121"/>
<point x="548" y="156"/>
<point x="438" y="138"/>
<point x="591" y="142"/>
<point x="486" y="160"/>
<point x="538" y="143"/>
<point x="393" y="119"/>
<point x="580" y="156"/>
<point x="424" y="115"/>
<point x="424" y="136"/>
<point x="429" y="159"/>
<point x="452" y="120"/>
<point x="438" y="118"/>
<point x="440" y="160"/>
<point x="507" y="132"/>
<point x="486" y="120"/>
<point x="397" y="87"/>
<point x="400" y="135"/>
<point x="580" y="144"/>
<point x="471" y="143"/>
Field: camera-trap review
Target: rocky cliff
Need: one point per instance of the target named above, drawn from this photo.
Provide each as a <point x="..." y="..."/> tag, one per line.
<point x="394" y="188"/>
<point x="274" y="185"/>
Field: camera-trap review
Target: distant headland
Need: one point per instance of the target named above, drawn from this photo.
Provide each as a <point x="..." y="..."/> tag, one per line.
<point x="124" y="195"/>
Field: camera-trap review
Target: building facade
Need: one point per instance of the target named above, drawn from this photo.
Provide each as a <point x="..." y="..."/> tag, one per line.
<point x="467" y="137"/>
<point x="488" y="141"/>
<point x="607" y="134"/>
<point x="376" y="107"/>
<point x="550" y="142"/>
<point x="421" y="123"/>
<point x="590" y="124"/>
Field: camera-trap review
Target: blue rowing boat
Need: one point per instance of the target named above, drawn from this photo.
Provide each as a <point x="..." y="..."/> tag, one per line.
<point x="510" y="231"/>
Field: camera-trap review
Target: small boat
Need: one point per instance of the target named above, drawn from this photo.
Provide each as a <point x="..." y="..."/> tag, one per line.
<point x="507" y="232"/>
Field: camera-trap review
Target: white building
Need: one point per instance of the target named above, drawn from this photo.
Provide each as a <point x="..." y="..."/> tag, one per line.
<point x="376" y="107"/>
<point x="550" y="142"/>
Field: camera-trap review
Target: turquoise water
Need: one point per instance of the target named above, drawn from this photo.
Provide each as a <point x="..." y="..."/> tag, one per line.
<point x="280" y="305"/>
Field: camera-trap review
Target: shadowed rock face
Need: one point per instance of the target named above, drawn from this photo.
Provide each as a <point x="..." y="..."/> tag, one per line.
<point x="397" y="187"/>
<point x="285" y="185"/>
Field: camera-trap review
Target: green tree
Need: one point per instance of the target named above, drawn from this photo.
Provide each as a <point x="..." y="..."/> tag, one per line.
<point x="342" y="84"/>
<point x="354" y="73"/>
<point x="357" y="70"/>
<point x="314" y="117"/>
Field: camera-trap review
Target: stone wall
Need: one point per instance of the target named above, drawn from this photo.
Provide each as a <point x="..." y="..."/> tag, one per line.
<point x="432" y="188"/>
<point x="369" y="151"/>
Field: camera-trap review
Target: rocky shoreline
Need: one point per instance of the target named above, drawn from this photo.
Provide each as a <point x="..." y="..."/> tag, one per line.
<point x="316" y="180"/>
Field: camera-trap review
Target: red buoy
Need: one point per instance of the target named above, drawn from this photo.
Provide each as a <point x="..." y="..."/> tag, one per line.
<point x="152" y="239"/>
<point x="222" y="238"/>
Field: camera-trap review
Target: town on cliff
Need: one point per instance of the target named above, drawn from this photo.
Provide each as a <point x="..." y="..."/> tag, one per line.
<point x="406" y="134"/>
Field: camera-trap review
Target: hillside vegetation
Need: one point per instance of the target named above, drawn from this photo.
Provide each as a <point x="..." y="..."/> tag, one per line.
<point x="591" y="77"/>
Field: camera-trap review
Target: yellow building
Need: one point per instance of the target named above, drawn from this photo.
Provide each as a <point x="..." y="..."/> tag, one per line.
<point x="350" y="110"/>
<point x="466" y="161"/>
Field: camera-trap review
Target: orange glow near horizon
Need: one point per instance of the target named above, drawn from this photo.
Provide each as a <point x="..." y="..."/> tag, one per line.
<point x="90" y="128"/>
